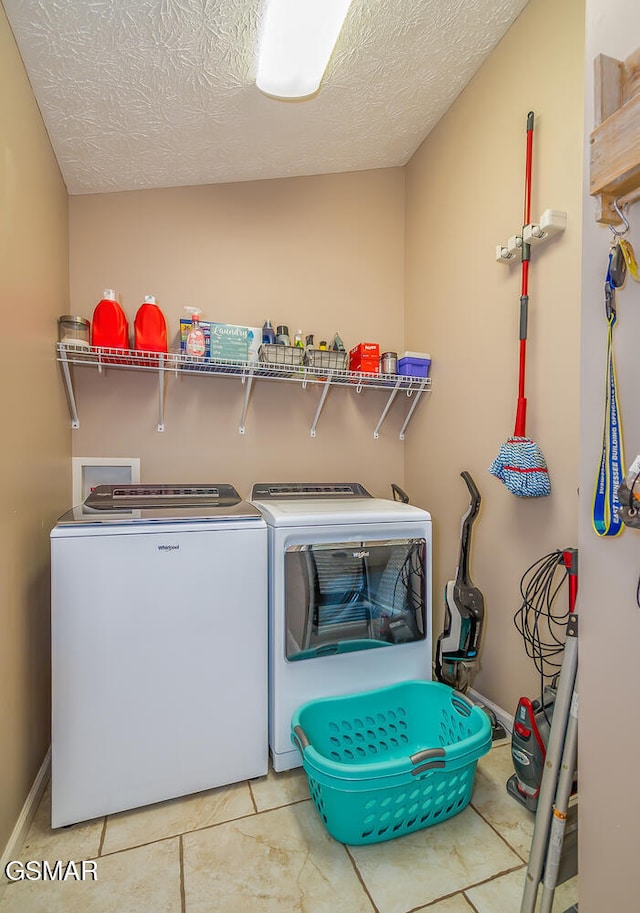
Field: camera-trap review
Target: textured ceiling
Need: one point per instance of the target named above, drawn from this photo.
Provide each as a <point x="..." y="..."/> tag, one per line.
<point x="160" y="93"/>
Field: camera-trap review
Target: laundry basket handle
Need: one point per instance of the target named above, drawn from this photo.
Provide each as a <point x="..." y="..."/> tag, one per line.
<point x="461" y="703"/>
<point x="427" y="754"/>
<point x="300" y="738"/>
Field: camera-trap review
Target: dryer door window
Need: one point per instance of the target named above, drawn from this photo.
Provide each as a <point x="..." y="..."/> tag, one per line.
<point x="347" y="596"/>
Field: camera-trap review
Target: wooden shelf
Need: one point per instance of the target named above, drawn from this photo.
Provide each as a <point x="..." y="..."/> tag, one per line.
<point x="615" y="140"/>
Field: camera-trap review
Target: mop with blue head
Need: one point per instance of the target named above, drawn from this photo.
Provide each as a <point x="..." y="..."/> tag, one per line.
<point x="520" y="463"/>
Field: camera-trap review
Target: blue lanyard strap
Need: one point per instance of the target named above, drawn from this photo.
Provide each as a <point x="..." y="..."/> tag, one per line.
<point x="606" y="517"/>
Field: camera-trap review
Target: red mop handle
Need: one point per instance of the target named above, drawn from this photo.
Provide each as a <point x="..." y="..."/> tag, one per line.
<point x="521" y="413"/>
<point x="527" y="176"/>
<point x="570" y="561"/>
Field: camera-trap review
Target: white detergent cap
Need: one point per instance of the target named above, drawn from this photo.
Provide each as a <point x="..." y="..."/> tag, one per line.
<point x="149" y="299"/>
<point x="110" y="294"/>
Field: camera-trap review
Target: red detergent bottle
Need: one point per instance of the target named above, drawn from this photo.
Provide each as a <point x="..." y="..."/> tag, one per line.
<point x="109" y="327"/>
<point x="150" y="329"/>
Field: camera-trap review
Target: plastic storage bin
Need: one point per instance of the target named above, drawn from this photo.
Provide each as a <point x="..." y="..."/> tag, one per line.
<point x="391" y="761"/>
<point x="414" y="364"/>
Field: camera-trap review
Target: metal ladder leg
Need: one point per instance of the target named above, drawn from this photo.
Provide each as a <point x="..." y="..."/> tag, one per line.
<point x="539" y="842"/>
<point x="562" y="718"/>
<point x="559" y="820"/>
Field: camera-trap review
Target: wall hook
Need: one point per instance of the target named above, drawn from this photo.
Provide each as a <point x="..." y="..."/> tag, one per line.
<point x="623" y="218"/>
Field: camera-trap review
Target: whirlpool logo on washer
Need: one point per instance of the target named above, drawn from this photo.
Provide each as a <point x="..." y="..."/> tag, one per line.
<point x="168" y="548"/>
<point x="362" y="554"/>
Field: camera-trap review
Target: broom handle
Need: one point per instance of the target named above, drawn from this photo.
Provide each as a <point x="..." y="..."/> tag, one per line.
<point x="521" y="414"/>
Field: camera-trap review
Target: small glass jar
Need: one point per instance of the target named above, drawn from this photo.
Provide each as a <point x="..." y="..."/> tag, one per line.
<point x="74" y="331"/>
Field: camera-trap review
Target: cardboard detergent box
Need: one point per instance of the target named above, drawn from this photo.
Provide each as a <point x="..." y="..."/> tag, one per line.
<point x="365" y="358"/>
<point x="225" y="341"/>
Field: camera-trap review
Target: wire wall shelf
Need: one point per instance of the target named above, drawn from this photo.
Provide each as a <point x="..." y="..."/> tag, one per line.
<point x="179" y="364"/>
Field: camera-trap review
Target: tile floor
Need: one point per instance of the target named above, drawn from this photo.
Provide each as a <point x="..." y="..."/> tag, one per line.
<point x="260" y="847"/>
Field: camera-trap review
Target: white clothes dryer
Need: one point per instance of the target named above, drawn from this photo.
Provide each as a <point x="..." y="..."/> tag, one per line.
<point x="349" y="597"/>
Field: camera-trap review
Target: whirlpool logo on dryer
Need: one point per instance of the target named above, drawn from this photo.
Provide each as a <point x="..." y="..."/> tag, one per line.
<point x="168" y="548"/>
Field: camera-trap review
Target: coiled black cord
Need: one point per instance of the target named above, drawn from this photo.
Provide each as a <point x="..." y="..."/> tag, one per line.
<point x="542" y="629"/>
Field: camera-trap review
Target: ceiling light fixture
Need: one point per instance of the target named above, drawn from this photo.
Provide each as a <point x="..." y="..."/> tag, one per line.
<point x="298" y="37"/>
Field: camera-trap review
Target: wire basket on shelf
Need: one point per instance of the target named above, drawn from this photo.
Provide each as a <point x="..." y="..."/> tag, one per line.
<point x="391" y="761"/>
<point x="327" y="359"/>
<point x="273" y="354"/>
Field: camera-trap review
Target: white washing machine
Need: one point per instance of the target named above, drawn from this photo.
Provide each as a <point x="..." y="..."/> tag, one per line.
<point x="159" y="647"/>
<point x="349" y="597"/>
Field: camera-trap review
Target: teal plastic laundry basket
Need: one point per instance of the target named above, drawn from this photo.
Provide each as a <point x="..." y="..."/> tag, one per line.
<point x="391" y="761"/>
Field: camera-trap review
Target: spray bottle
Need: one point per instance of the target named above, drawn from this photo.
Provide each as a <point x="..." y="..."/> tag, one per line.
<point x="195" y="344"/>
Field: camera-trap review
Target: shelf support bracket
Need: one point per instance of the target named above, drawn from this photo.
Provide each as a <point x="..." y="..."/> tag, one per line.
<point x="323" y="397"/>
<point x="247" y="380"/>
<point x="161" y="393"/>
<point x="66" y="372"/>
<point x="393" y="395"/>
<point x="415" y="402"/>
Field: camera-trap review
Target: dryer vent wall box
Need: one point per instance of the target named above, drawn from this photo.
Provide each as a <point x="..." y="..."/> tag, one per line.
<point x="349" y="597"/>
<point x="159" y="658"/>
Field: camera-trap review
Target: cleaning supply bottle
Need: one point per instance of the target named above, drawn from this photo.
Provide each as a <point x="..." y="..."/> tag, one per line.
<point x="195" y="344"/>
<point x="150" y="327"/>
<point x="337" y="344"/>
<point x="282" y="336"/>
<point x="297" y="340"/>
<point x="109" y="326"/>
<point x="268" y="333"/>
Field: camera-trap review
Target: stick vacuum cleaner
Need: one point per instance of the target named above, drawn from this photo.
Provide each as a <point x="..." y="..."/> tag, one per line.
<point x="458" y="645"/>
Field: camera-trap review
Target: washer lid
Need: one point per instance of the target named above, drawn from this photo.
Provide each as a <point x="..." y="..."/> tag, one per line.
<point x="146" y="503"/>
<point x="180" y="494"/>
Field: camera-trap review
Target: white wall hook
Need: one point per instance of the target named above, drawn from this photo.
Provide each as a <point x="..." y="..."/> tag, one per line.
<point x="504" y="255"/>
<point x="552" y="222"/>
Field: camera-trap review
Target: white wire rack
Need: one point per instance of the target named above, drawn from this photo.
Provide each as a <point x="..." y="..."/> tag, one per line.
<point x="247" y="372"/>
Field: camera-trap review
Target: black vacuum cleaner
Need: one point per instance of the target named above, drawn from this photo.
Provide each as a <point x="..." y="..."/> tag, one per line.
<point x="458" y="645"/>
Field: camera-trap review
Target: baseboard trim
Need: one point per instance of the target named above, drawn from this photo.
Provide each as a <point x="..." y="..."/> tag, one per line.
<point x="501" y="715"/>
<point x="26" y="816"/>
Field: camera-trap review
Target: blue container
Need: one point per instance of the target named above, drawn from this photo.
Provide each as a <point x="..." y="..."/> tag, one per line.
<point x="414" y="364"/>
<point x="391" y="761"/>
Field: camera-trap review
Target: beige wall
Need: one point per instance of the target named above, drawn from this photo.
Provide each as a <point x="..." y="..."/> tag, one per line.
<point x="464" y="192"/>
<point x="323" y="254"/>
<point x="34" y="459"/>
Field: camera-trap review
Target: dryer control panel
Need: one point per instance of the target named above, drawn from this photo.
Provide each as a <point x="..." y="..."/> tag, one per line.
<point x="266" y="491"/>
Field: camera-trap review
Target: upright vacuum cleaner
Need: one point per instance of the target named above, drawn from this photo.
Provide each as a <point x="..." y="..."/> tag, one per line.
<point x="457" y="647"/>
<point x="459" y="644"/>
